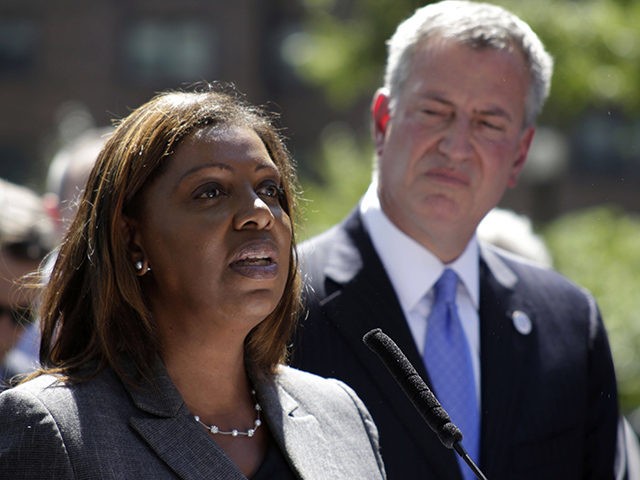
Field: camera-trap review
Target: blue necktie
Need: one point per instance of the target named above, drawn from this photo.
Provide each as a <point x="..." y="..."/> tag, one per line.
<point x="447" y="357"/>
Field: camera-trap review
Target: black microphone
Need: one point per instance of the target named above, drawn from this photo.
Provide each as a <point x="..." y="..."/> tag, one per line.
<point x="419" y="393"/>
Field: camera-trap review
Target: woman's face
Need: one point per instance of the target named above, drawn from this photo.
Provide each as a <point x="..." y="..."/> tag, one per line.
<point x="213" y="231"/>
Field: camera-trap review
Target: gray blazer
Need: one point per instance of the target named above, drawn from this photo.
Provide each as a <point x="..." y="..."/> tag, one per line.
<point x="104" y="429"/>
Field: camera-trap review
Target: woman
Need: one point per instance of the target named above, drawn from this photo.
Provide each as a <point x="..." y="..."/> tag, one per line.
<point x="165" y="321"/>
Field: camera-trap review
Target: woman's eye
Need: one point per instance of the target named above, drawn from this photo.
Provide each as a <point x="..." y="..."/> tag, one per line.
<point x="271" y="190"/>
<point x="209" y="191"/>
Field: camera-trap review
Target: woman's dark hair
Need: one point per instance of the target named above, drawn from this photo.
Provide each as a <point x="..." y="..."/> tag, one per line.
<point x="93" y="310"/>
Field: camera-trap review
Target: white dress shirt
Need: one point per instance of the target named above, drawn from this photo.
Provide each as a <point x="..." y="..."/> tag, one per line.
<point x="414" y="270"/>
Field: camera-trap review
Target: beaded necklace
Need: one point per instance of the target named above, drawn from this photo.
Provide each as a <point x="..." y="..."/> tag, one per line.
<point x="215" y="430"/>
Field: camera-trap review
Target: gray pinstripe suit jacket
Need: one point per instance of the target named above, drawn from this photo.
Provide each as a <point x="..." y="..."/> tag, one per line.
<point x="103" y="429"/>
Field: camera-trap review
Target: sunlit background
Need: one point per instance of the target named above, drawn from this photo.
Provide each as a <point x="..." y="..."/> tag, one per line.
<point x="72" y="65"/>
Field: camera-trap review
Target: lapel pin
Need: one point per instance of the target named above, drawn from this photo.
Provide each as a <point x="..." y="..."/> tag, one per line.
<point x="521" y="322"/>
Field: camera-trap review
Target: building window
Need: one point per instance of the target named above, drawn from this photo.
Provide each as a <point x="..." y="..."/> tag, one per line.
<point x="606" y="142"/>
<point x="15" y="162"/>
<point x="18" y="46"/>
<point x="157" y="51"/>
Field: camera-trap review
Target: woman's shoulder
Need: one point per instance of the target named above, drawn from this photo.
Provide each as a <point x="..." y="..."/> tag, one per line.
<point x="37" y="406"/>
<point x="306" y="384"/>
<point x="41" y="387"/>
<point x="338" y="412"/>
<point x="287" y="374"/>
<point x="328" y="399"/>
<point x="52" y="392"/>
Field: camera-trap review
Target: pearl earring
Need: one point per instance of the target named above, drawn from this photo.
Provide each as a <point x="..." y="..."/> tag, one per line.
<point x="138" y="265"/>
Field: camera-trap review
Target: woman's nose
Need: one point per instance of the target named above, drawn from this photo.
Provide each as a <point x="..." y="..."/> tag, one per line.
<point x="253" y="212"/>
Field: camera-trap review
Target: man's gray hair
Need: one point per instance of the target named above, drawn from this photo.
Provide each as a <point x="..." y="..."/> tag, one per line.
<point x="479" y="25"/>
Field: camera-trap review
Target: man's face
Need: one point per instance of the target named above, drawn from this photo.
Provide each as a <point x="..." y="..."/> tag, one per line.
<point x="453" y="143"/>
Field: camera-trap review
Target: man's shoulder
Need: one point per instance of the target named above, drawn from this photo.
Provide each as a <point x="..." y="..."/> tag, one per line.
<point x="346" y="231"/>
<point x="336" y="253"/>
<point x="530" y="277"/>
<point x="321" y="244"/>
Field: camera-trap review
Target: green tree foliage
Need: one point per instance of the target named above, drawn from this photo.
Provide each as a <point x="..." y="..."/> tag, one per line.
<point x="346" y="173"/>
<point x="342" y="46"/>
<point x="595" y="43"/>
<point x="596" y="48"/>
<point x="599" y="249"/>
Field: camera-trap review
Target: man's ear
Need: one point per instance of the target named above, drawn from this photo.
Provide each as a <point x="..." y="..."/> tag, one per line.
<point x="380" y="114"/>
<point x="521" y="157"/>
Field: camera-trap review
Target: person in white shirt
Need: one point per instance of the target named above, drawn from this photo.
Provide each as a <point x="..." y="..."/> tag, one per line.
<point x="452" y="126"/>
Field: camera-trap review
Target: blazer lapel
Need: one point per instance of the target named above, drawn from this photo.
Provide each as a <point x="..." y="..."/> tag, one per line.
<point x="296" y="431"/>
<point x="504" y="356"/>
<point x="172" y="433"/>
<point x="366" y="297"/>
<point x="356" y="267"/>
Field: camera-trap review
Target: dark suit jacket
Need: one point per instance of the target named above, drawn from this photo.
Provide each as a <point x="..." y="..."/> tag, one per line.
<point x="102" y="429"/>
<point x="549" y="406"/>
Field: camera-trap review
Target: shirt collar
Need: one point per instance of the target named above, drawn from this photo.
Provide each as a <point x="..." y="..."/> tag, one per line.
<point x="412" y="269"/>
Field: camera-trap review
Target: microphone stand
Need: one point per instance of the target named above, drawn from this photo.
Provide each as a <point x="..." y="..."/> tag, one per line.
<point x="467" y="459"/>
<point x="419" y="394"/>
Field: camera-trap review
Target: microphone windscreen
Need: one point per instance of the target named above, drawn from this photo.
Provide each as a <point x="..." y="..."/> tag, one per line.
<point x="413" y="386"/>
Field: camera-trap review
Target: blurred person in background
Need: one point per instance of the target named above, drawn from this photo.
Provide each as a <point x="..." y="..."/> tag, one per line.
<point x="26" y="236"/>
<point x="66" y="177"/>
<point x="514" y="233"/>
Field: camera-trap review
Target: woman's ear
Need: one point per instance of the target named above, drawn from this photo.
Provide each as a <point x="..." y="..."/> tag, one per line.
<point x="131" y="233"/>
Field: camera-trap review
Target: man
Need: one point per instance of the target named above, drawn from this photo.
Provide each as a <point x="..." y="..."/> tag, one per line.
<point x="452" y="126"/>
<point x="67" y="174"/>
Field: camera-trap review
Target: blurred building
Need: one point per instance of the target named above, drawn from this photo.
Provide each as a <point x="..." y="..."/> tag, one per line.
<point x="71" y="64"/>
<point x="595" y="161"/>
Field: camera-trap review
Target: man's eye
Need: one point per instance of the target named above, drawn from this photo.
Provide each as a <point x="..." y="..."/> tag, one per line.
<point x="436" y="116"/>
<point x="491" y="125"/>
<point x="433" y="112"/>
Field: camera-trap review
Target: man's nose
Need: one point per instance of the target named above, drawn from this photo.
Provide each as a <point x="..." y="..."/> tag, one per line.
<point x="456" y="139"/>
